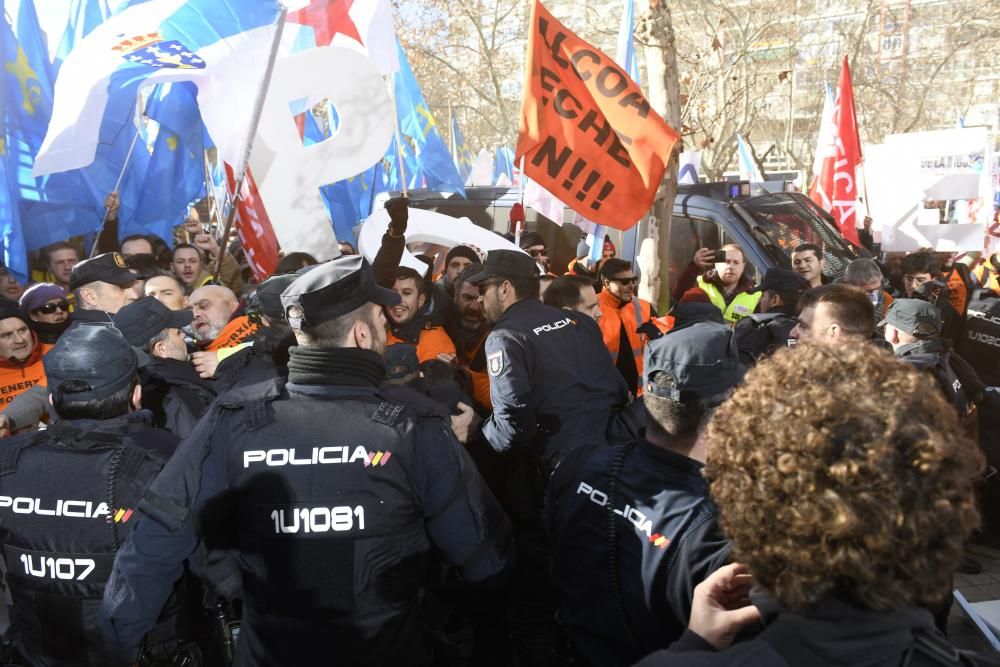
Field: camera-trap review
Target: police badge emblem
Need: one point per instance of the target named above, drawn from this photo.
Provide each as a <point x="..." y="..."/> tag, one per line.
<point x="494" y="363"/>
<point x="152" y="50"/>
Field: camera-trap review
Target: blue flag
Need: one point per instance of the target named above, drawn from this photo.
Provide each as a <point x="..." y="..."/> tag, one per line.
<point x="11" y="239"/>
<point x="436" y="170"/>
<point x="503" y="165"/>
<point x="460" y="152"/>
<point x="217" y="44"/>
<point x="350" y="201"/>
<point x="313" y="133"/>
<point x="84" y="16"/>
<point x="52" y="205"/>
<point x="175" y="170"/>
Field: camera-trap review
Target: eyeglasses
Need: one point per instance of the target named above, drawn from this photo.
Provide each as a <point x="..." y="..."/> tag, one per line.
<point x="627" y="281"/>
<point x="50" y="308"/>
<point x="539" y="253"/>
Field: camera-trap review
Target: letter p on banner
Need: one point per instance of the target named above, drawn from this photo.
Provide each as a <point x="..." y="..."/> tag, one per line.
<point x="588" y="135"/>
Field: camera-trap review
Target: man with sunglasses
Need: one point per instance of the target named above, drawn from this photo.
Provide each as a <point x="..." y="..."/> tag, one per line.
<point x="47" y="308"/>
<point x="622" y="313"/>
<point x="533" y="244"/>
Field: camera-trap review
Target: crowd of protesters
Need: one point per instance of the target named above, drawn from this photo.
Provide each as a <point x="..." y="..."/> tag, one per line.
<point x="491" y="461"/>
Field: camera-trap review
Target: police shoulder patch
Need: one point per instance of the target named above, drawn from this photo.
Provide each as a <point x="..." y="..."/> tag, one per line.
<point x="494" y="363"/>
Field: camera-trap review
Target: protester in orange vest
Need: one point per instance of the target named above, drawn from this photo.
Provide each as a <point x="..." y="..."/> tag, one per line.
<point x="410" y="322"/>
<point x="958" y="277"/>
<point x="20" y="354"/>
<point x="622" y="313"/>
<point x="218" y="325"/>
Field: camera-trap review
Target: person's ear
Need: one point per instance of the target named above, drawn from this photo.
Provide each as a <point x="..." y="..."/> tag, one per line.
<point x="158" y="349"/>
<point x="137" y="397"/>
<point x="362" y="336"/>
<point x="421" y="300"/>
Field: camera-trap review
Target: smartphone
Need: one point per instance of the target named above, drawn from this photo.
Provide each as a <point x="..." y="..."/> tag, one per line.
<point x="718" y="257"/>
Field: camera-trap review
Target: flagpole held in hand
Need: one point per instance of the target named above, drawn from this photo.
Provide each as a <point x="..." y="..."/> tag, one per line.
<point x="118" y="183"/>
<point x="520" y="199"/>
<point x="399" y="136"/>
<point x="258" y="108"/>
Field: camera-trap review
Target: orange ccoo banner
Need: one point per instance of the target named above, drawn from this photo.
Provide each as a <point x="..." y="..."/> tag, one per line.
<point x="587" y="133"/>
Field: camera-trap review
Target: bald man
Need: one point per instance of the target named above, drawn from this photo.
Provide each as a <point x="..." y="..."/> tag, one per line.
<point x="218" y="325"/>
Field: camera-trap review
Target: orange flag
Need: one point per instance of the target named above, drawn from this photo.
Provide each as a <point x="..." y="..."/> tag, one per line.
<point x="588" y="135"/>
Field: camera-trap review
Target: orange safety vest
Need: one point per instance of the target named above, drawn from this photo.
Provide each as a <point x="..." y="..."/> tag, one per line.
<point x="17" y="378"/>
<point x="613" y="314"/>
<point x="432" y="342"/>
<point x="236" y="332"/>
<point x="958" y="293"/>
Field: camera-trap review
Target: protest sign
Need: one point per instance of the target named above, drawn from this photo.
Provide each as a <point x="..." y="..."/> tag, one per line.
<point x="914" y="178"/>
<point x="432" y="228"/>
<point x="290" y="173"/>
<point x="587" y="133"/>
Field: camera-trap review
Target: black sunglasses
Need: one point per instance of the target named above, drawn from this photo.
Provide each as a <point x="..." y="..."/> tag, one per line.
<point x="50" y="308"/>
<point x="539" y="253"/>
<point x="627" y="281"/>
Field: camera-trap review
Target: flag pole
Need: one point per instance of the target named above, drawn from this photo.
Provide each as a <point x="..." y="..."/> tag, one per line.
<point x="520" y="199"/>
<point x="252" y="131"/>
<point x="399" y="136"/>
<point x="118" y="183"/>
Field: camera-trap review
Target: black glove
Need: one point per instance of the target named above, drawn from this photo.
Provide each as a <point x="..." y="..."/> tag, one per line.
<point x="399" y="214"/>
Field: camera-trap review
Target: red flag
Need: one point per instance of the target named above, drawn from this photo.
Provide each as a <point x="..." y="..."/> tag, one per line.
<point x="836" y="186"/>
<point x="254" y="227"/>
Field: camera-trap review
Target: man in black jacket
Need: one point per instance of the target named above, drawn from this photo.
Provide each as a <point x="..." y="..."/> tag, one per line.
<point x="69" y="496"/>
<point x="336" y="494"/>
<point x="761" y="334"/>
<point x="632" y="526"/>
<point x="172" y="389"/>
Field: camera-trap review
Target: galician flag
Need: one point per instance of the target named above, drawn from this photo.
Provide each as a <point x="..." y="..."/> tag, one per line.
<point x="221" y="46"/>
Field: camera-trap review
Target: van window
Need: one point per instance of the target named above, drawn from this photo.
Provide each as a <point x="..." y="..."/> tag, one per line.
<point x="688" y="235"/>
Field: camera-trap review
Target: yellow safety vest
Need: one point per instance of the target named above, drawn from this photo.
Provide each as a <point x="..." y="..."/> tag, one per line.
<point x="741" y="306"/>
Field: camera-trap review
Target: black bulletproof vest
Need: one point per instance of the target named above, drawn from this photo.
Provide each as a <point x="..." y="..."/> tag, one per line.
<point x="330" y="529"/>
<point x="981" y="345"/>
<point x="67" y="499"/>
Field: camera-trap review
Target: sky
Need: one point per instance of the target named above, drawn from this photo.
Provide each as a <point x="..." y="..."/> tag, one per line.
<point x="52" y="14"/>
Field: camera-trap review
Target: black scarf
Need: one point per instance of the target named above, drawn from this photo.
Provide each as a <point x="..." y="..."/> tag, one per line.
<point x="336" y="366"/>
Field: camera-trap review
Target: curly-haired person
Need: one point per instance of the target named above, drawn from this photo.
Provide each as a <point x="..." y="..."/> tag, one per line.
<point x="849" y="501"/>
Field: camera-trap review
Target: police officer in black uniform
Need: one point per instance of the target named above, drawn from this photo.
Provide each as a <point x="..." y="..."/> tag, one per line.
<point x="552" y="383"/>
<point x="633" y="527"/>
<point x="554" y="387"/>
<point x="336" y="495"/>
<point x="267" y="357"/>
<point x="761" y="334"/>
<point x="913" y="328"/>
<point x="171" y="388"/>
<point x="981" y="344"/>
<point x="68" y="496"/>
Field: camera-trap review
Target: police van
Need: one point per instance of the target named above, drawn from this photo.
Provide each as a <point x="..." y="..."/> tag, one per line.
<point x="768" y="225"/>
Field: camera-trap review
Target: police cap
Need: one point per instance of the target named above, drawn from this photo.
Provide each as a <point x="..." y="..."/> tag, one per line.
<point x="140" y="320"/>
<point x="914" y="316"/>
<point x="107" y="268"/>
<point x="782" y="280"/>
<point x="699" y="362"/>
<point x="333" y="289"/>
<point x="269" y="294"/>
<point x="506" y="263"/>
<point x="97" y="354"/>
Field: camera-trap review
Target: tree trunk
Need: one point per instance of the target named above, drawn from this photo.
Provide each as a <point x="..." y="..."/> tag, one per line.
<point x="656" y="32"/>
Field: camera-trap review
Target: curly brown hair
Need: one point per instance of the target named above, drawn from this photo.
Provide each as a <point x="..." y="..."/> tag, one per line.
<point x="838" y="472"/>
